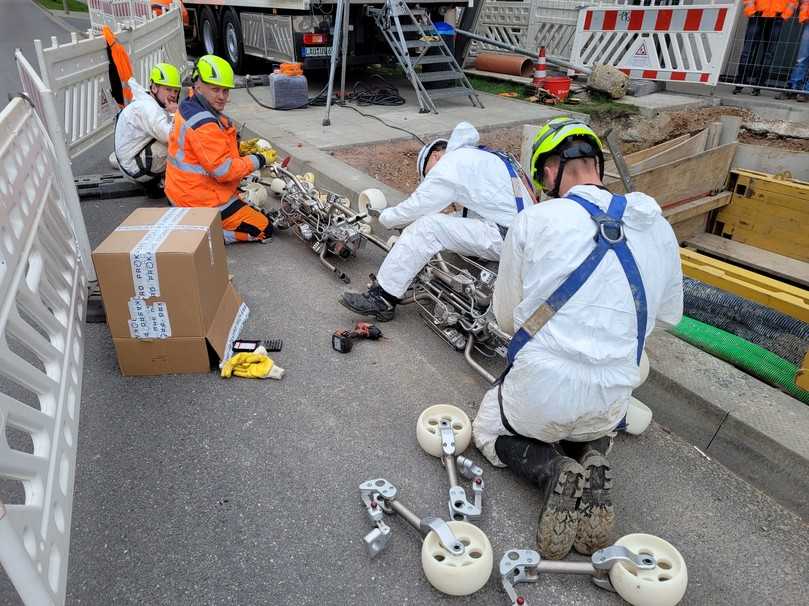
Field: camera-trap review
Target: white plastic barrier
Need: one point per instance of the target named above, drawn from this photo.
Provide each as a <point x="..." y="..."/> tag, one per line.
<point x="43" y="290"/>
<point x="44" y="104"/>
<point x="670" y="43"/>
<point x="118" y="13"/>
<point x="78" y="75"/>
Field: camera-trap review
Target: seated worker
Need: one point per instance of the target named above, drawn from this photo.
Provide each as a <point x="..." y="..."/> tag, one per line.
<point x="205" y="167"/>
<point x="491" y="188"/>
<point x="583" y="277"/>
<point x="142" y="128"/>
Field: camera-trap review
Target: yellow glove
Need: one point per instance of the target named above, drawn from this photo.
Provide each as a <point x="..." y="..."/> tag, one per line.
<point x="270" y="155"/>
<point x="251" y="366"/>
<point x="248" y="146"/>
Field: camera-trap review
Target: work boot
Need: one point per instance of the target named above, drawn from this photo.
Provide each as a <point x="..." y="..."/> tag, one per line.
<point x="560" y="480"/>
<point x="785" y="95"/>
<point x="802" y="98"/>
<point x="755" y="92"/>
<point x="596" y="511"/>
<point x="737" y="90"/>
<point x="374" y="302"/>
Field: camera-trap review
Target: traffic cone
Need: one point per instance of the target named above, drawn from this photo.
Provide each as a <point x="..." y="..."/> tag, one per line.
<point x="539" y="70"/>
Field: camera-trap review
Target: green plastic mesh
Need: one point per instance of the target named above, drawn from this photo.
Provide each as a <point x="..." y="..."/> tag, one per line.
<point x="747" y="356"/>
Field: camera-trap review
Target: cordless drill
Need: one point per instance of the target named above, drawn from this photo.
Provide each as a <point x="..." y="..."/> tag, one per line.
<point x="343" y="340"/>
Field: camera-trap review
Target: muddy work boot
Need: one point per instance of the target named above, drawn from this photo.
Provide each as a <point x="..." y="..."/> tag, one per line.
<point x="374" y="302"/>
<point x="596" y="511"/>
<point x="560" y="480"/>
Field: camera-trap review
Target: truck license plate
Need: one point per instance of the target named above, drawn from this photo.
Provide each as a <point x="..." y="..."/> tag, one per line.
<point x="316" y="51"/>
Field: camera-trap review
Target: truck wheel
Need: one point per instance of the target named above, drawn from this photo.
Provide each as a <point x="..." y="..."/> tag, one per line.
<point x="232" y="39"/>
<point x="209" y="32"/>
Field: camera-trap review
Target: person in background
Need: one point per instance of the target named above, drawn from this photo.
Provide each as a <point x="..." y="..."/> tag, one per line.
<point x="142" y="129"/>
<point x="799" y="76"/>
<point x="766" y="19"/>
<point x="205" y="167"/>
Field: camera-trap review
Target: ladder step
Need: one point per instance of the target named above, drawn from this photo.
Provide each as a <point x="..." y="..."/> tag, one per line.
<point x="435" y="76"/>
<point x="437" y="93"/>
<point x="415" y="28"/>
<point x="422" y="43"/>
<point x="431" y="59"/>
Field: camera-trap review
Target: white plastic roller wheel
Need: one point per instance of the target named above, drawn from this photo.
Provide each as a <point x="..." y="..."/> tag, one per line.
<point x="638" y="417"/>
<point x="429" y="435"/>
<point x="278" y="186"/>
<point x="458" y="574"/>
<point x="643" y="368"/>
<point x="663" y="586"/>
<point x="372" y="198"/>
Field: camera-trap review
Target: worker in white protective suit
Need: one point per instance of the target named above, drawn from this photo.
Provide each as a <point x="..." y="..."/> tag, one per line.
<point x="489" y="185"/>
<point x="143" y="126"/>
<point x="583" y="277"/>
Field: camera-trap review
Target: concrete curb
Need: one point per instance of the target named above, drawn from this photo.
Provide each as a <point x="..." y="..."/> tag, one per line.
<point x="753" y="429"/>
<point x="56" y="17"/>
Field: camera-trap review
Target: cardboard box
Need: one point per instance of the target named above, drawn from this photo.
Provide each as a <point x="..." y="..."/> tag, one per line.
<point x="175" y="259"/>
<point x="164" y="283"/>
<point x="184" y="354"/>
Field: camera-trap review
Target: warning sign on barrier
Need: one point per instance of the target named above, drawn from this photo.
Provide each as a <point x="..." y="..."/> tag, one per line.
<point x="675" y="43"/>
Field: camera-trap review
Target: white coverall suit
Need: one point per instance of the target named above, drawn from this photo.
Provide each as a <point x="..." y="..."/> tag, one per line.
<point x="474" y="178"/>
<point x="573" y="379"/>
<point x="142" y="133"/>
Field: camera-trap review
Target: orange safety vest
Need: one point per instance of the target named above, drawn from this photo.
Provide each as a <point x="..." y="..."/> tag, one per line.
<point x="803" y="15"/>
<point x="204" y="166"/>
<point x="120" y="68"/>
<point x="161" y="6"/>
<point x="771" y="8"/>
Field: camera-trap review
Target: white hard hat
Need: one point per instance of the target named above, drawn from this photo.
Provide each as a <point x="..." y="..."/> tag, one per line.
<point x="421" y="162"/>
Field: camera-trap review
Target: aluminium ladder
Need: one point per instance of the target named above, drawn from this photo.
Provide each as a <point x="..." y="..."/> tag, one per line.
<point x="415" y="42"/>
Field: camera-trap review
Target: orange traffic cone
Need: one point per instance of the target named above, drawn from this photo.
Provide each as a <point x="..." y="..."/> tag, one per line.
<point x="539" y="70"/>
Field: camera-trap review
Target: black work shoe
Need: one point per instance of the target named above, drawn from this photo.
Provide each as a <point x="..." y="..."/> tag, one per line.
<point x="558" y="518"/>
<point x="370" y="303"/>
<point x="785" y="95"/>
<point x="737" y="90"/>
<point x="802" y="98"/>
<point x="755" y="92"/>
<point x="596" y="512"/>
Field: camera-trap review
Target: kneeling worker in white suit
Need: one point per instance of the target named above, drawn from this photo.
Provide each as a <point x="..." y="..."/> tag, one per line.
<point x="488" y="184"/>
<point x="142" y="128"/>
<point x="583" y="277"/>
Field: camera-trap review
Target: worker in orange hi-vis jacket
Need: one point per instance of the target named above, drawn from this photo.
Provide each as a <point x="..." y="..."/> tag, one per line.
<point x="766" y="18"/>
<point x="204" y="164"/>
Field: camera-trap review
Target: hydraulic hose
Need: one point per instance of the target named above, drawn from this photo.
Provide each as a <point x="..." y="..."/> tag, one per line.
<point x="747" y="356"/>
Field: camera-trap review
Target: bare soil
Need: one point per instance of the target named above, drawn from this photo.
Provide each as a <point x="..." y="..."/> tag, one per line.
<point x="395" y="163"/>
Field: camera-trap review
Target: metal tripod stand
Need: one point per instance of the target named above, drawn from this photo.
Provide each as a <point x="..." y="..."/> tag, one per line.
<point x="339" y="44"/>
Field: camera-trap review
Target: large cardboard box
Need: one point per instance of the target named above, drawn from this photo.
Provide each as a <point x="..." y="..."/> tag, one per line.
<point x="164" y="283"/>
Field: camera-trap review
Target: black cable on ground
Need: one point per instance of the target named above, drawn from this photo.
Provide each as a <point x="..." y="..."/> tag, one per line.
<point x="776" y="332"/>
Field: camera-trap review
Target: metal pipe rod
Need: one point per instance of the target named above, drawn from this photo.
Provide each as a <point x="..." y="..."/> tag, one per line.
<point x="410" y="517"/>
<point x="552" y="59"/>
<point x="566" y="567"/>
<point x="452" y="472"/>
<point x="467" y="353"/>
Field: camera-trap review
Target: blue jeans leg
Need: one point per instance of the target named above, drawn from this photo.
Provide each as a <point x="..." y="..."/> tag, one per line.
<point x="797" y="77"/>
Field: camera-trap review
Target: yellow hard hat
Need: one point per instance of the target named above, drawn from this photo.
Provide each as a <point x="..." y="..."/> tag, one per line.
<point x="551" y="136"/>
<point x="165" y="74"/>
<point x="215" y="71"/>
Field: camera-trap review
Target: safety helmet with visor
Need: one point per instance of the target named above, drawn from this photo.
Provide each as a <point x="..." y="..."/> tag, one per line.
<point x="165" y="74"/>
<point x="425" y="152"/>
<point x="569" y="139"/>
<point x="215" y="71"/>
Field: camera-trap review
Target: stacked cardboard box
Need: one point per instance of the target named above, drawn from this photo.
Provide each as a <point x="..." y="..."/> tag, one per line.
<point x="164" y="281"/>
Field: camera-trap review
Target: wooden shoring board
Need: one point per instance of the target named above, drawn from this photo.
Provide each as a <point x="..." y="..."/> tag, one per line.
<point x="752" y="257"/>
<point x="791" y="300"/>
<point x="699" y="175"/>
<point x="684" y="149"/>
<point x="690" y="219"/>
<point x="768" y="212"/>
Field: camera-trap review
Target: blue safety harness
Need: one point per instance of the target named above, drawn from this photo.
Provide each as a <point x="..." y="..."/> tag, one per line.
<point x="610" y="236"/>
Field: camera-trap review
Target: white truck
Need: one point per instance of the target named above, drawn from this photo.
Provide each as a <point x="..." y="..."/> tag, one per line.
<point x="300" y="30"/>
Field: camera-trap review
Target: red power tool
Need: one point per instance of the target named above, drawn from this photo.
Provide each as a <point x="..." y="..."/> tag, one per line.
<point x="343" y="340"/>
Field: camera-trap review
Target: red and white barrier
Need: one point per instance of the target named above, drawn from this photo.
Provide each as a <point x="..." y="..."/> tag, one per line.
<point x="670" y="43"/>
<point x="540" y="69"/>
